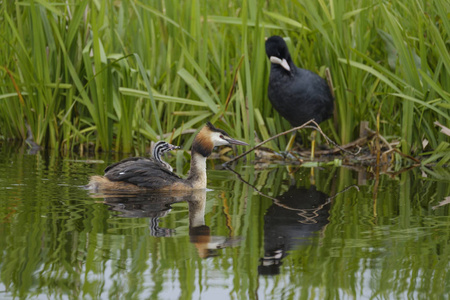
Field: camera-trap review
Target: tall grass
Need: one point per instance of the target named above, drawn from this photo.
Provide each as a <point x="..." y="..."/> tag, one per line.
<point x="115" y="75"/>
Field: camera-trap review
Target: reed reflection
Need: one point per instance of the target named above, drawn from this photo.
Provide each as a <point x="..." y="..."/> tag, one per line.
<point x="291" y="221"/>
<point x="158" y="205"/>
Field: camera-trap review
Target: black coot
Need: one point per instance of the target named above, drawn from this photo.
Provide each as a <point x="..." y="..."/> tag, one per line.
<point x="298" y="95"/>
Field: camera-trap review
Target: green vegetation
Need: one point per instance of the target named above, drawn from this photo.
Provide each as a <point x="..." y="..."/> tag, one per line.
<point x="116" y="74"/>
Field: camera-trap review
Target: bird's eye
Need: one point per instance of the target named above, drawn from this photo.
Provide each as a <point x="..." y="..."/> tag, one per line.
<point x="221" y="136"/>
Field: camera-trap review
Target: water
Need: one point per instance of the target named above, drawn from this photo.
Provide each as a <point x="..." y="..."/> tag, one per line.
<point x="343" y="234"/>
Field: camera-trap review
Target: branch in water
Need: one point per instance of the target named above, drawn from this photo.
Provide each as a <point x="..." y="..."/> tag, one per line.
<point x="305" y="125"/>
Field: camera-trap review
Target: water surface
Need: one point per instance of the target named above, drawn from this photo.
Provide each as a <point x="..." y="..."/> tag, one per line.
<point x="271" y="233"/>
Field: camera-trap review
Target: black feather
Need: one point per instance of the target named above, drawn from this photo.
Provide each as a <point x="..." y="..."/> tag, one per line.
<point x="299" y="95"/>
<point x="215" y="129"/>
<point x="142" y="172"/>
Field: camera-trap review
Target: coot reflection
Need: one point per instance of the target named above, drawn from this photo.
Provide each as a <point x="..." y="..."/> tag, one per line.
<point x="290" y="221"/>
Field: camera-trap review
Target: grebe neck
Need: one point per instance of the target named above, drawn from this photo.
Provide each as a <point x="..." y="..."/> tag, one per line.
<point x="158" y="150"/>
<point x="197" y="204"/>
<point x="197" y="172"/>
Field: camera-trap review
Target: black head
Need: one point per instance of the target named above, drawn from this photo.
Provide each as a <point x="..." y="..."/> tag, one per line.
<point x="215" y="129"/>
<point x="278" y="52"/>
<point x="276" y="46"/>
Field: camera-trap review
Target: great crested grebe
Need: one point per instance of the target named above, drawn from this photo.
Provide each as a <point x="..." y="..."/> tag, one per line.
<point x="146" y="175"/>
<point x="159" y="149"/>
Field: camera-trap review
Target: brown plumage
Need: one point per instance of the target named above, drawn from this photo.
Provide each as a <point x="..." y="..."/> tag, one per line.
<point x="146" y="175"/>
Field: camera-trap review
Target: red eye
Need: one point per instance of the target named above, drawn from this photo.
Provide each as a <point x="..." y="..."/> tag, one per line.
<point x="221" y="136"/>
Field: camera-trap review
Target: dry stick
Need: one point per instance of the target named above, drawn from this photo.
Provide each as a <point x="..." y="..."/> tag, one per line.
<point x="355" y="143"/>
<point x="390" y="147"/>
<point x="266" y="141"/>
<point x="305" y="125"/>
<point x="230" y="92"/>
<point x="402" y="154"/>
<point x="278" y="202"/>
<point x="239" y="176"/>
<point x="382" y="138"/>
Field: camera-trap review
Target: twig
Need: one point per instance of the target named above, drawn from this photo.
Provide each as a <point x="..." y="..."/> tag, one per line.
<point x="382" y="138"/>
<point x="402" y="154"/>
<point x="278" y="202"/>
<point x="239" y="176"/>
<point x="268" y="140"/>
<point x="355" y="143"/>
<point x="230" y="92"/>
<point x="305" y="125"/>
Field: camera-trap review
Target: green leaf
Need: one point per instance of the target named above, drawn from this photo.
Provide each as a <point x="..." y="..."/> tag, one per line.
<point x="196" y="87"/>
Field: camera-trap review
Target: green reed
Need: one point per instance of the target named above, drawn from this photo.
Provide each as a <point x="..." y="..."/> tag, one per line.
<point x="114" y="75"/>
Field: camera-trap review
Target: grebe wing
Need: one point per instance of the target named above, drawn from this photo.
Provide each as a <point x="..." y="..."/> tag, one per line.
<point x="126" y="160"/>
<point x="143" y="173"/>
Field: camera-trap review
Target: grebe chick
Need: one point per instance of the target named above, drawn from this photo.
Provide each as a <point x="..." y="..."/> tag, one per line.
<point x="159" y="149"/>
<point x="147" y="175"/>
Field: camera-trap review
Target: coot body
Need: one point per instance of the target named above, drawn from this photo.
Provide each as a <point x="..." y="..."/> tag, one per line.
<point x="297" y="94"/>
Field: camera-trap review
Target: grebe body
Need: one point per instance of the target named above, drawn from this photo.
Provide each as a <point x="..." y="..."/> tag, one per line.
<point x="149" y="175"/>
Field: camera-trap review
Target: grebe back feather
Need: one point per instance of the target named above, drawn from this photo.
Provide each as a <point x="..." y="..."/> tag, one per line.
<point x="159" y="149"/>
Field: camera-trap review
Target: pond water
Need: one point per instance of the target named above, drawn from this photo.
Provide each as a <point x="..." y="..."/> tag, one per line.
<point x="273" y="232"/>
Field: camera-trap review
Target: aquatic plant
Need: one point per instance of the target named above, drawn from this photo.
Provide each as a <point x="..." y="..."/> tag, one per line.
<point x="114" y="75"/>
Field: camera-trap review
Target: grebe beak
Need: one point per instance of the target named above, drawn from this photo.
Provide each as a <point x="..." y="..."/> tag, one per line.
<point x="173" y="147"/>
<point x="234" y="142"/>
